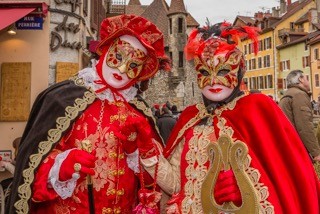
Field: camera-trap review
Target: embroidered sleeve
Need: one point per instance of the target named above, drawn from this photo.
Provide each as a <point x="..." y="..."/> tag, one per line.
<point x="168" y="171"/>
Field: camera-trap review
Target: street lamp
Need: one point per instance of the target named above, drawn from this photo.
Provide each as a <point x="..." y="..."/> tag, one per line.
<point x="12" y="30"/>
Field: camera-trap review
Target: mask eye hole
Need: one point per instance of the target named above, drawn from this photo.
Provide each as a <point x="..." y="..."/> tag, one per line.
<point x="118" y="56"/>
<point x="204" y="72"/>
<point x="133" y="65"/>
<point x="223" y="72"/>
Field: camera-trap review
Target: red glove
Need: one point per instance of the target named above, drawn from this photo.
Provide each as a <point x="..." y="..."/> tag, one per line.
<point x="128" y="136"/>
<point x="137" y="134"/>
<point x="84" y="158"/>
<point x="226" y="189"/>
<point x="147" y="148"/>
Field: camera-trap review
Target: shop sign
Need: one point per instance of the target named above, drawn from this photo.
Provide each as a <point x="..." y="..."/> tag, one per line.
<point x="30" y="23"/>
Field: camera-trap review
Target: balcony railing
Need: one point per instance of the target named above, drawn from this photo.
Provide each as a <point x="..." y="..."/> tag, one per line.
<point x="289" y="31"/>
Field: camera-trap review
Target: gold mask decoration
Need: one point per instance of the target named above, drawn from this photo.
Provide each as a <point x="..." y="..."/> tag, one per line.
<point x="123" y="56"/>
<point x="218" y="68"/>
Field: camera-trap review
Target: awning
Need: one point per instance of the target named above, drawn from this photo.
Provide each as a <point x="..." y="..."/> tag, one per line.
<point x="11" y="15"/>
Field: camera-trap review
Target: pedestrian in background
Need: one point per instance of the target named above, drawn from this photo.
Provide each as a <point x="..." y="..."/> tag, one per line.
<point x="166" y="123"/>
<point x="175" y="112"/>
<point x="296" y="104"/>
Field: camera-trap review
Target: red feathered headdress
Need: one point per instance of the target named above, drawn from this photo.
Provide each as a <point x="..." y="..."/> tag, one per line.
<point x="222" y="37"/>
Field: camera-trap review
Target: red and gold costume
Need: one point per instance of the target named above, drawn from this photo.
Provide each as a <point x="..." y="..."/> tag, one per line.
<point x="239" y="154"/>
<point x="54" y="170"/>
<point x="114" y="181"/>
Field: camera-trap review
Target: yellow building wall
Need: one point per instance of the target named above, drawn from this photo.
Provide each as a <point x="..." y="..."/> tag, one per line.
<point x="261" y="71"/>
<point x="26" y="46"/>
<point x="315" y="69"/>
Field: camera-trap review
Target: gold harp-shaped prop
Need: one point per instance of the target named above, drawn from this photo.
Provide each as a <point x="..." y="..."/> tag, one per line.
<point x="227" y="155"/>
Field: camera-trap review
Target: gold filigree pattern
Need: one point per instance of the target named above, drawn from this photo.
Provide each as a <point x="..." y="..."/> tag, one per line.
<point x="196" y="170"/>
<point x="197" y="156"/>
<point x="54" y="135"/>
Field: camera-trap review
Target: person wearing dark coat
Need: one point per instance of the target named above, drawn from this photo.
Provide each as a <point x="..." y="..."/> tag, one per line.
<point x="166" y="123"/>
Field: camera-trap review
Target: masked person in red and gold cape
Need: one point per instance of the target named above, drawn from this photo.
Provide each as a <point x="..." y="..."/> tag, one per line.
<point x="233" y="153"/>
<point x="83" y="128"/>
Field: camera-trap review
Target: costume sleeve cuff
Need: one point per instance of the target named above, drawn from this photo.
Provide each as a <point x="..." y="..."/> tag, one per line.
<point x="63" y="188"/>
<point x="149" y="162"/>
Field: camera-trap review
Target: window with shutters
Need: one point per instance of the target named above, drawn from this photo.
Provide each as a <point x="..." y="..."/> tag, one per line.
<point x="305" y="61"/>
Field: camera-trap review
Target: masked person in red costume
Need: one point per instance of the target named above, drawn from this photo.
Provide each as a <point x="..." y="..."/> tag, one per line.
<point x="97" y="107"/>
<point x="233" y="153"/>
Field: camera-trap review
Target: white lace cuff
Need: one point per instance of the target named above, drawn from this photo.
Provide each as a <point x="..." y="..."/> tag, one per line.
<point x="133" y="161"/>
<point x="63" y="188"/>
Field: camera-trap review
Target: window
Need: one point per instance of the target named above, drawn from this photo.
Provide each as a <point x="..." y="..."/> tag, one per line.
<point x="180" y="25"/>
<point x="260" y="45"/>
<point x="259" y="62"/>
<point x="285" y="65"/>
<point x="245" y="49"/>
<point x="170" y="25"/>
<point x="261" y="86"/>
<point x="266" y="61"/>
<point x="316" y="80"/>
<point x="250" y="48"/>
<point x="269" y="81"/>
<point x="180" y="59"/>
<point x="305" y="61"/>
<point x="170" y="55"/>
<point x="268" y="43"/>
<point x="250" y="64"/>
<point x="316" y="53"/>
<point x="254" y="64"/>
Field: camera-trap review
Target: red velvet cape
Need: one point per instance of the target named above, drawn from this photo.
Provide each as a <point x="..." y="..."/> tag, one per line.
<point x="275" y="148"/>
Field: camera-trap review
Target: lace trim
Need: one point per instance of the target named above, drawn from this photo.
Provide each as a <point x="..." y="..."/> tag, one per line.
<point x="89" y="75"/>
<point x="63" y="188"/>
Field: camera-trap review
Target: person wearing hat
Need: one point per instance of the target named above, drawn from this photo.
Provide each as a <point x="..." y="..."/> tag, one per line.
<point x="233" y="153"/>
<point x="81" y="130"/>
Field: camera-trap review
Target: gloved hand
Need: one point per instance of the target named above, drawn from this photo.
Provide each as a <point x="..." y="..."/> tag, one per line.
<point x="128" y="136"/>
<point x="137" y="134"/>
<point x="226" y="189"/>
<point x="85" y="159"/>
